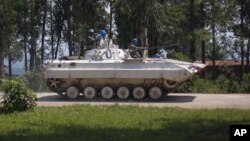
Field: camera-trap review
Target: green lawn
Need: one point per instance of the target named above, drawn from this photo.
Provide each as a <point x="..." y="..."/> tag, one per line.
<point x="127" y="123"/>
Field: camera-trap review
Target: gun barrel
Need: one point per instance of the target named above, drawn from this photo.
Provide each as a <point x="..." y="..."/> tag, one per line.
<point x="151" y="48"/>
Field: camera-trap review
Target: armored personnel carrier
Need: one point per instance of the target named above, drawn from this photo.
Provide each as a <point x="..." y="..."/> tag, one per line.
<point x="112" y="72"/>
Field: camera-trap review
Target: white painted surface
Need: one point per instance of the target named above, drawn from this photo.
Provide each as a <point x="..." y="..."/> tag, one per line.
<point x="120" y="65"/>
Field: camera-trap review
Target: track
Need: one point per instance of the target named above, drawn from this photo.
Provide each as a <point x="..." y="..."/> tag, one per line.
<point x="193" y="101"/>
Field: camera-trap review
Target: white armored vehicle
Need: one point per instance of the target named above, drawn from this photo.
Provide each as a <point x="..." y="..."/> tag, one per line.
<point x="112" y="72"/>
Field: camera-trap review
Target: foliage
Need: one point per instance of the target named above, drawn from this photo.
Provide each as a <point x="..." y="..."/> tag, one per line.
<point x="199" y="85"/>
<point x="132" y="17"/>
<point x="17" y="96"/>
<point x="223" y="84"/>
<point x="35" y="81"/>
<point x="124" y="123"/>
<point x="179" y="56"/>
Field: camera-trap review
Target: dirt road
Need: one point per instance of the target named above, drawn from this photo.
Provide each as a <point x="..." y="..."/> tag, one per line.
<point x="196" y="101"/>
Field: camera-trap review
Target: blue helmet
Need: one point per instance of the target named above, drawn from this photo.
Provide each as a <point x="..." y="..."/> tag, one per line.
<point x="157" y="56"/>
<point x="91" y="30"/>
<point x="98" y="37"/>
<point x="103" y="33"/>
<point x="135" y="42"/>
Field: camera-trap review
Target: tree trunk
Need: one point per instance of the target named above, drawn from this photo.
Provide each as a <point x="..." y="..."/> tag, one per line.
<point x="10" y="64"/>
<point x="69" y="28"/>
<point x="43" y="30"/>
<point x="32" y="34"/>
<point x="248" y="53"/>
<point x="1" y="54"/>
<point x="202" y="26"/>
<point x="134" y="31"/>
<point x="155" y="43"/>
<point x="214" y="47"/>
<point x="51" y="30"/>
<point x="110" y="20"/>
<point x="73" y="42"/>
<point x="203" y="52"/>
<point x="81" y="48"/>
<point x="25" y="43"/>
<point x="192" y="41"/>
<point x="241" y="37"/>
<point x="57" y="46"/>
<point x="1" y="41"/>
<point x="213" y="38"/>
<point x="25" y="53"/>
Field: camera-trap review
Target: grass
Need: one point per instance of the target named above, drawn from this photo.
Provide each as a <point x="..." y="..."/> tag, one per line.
<point x="125" y="123"/>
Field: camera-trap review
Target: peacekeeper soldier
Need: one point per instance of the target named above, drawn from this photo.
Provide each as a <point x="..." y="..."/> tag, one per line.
<point x="90" y="41"/>
<point x="101" y="39"/>
<point x="135" y="50"/>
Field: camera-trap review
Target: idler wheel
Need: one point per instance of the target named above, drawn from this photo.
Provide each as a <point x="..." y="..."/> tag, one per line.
<point x="155" y="93"/>
<point x="170" y="84"/>
<point x="72" y="92"/>
<point x="107" y="92"/>
<point x="122" y="93"/>
<point x="89" y="92"/>
<point x="139" y="93"/>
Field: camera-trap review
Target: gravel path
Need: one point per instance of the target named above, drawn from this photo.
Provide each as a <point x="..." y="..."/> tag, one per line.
<point x="195" y="101"/>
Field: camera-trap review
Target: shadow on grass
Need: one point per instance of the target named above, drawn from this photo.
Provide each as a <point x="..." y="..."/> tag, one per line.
<point x="164" y="99"/>
<point x="172" y="131"/>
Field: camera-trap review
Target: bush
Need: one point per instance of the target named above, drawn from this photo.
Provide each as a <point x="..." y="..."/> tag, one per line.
<point x="179" y="56"/>
<point x="35" y="81"/>
<point x="198" y="85"/>
<point x="233" y="84"/>
<point x="246" y="83"/>
<point x="223" y="82"/>
<point x="17" y="96"/>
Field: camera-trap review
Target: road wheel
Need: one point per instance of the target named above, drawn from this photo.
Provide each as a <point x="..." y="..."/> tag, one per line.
<point x="72" y="92"/>
<point x="89" y="92"/>
<point x="53" y="84"/>
<point x="122" y="93"/>
<point x="107" y="92"/>
<point x="139" y="93"/>
<point x="155" y="93"/>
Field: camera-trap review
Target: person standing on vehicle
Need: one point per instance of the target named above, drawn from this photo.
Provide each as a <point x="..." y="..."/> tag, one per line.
<point x="135" y="50"/>
<point x="90" y="41"/>
<point x="101" y="39"/>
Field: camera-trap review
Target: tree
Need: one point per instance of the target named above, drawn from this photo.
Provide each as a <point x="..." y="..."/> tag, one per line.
<point x="192" y="28"/>
<point x="219" y="18"/>
<point x="31" y="30"/>
<point x="133" y="18"/>
<point x="68" y="16"/>
<point x="241" y="30"/>
<point x="59" y="22"/>
<point x="201" y="23"/>
<point x="45" y="7"/>
<point x="247" y="12"/>
<point x="8" y="32"/>
<point x="52" y="32"/>
<point x="23" y="30"/>
<point x="85" y="15"/>
<point x="1" y="39"/>
<point x="32" y="49"/>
